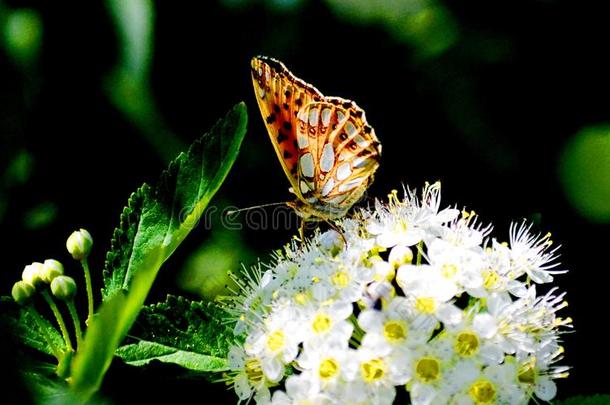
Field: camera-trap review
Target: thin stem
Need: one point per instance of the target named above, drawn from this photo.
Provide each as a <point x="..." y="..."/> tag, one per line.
<point x="43" y="329"/>
<point x="76" y="321"/>
<point x="59" y="318"/>
<point x="420" y="246"/>
<point x="89" y="290"/>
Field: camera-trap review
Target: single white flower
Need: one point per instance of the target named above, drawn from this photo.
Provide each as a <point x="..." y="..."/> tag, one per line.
<point x="374" y="374"/>
<point x="430" y="365"/>
<point x="322" y="321"/>
<point x="392" y="328"/>
<point x="494" y="384"/>
<point x="276" y="342"/>
<point x="460" y="265"/>
<point x="497" y="273"/>
<point x="531" y="254"/>
<point x="430" y="291"/>
<point x="471" y="339"/>
<point x="324" y="366"/>
<point x="247" y="376"/>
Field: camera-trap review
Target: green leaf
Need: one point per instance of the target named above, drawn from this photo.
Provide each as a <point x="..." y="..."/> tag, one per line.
<point x="29" y="328"/>
<point x="155" y="222"/>
<point x="143" y="352"/>
<point x="190" y="334"/>
<point x="46" y="387"/>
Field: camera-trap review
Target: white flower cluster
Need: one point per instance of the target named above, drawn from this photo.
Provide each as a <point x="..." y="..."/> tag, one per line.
<point x="412" y="298"/>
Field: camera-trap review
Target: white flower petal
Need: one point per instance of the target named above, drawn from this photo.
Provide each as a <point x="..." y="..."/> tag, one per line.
<point x="545" y="389"/>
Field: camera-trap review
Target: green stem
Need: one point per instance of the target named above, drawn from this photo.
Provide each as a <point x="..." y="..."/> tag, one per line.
<point x="89" y="290"/>
<point x="43" y="329"/>
<point x="420" y="246"/>
<point x="76" y="321"/>
<point x="59" y="318"/>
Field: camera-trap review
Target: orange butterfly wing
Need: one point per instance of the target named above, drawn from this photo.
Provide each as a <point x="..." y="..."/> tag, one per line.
<point x="327" y="149"/>
<point x="280" y="96"/>
<point x="338" y="154"/>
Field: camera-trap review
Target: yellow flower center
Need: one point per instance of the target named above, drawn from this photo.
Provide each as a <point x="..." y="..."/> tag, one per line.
<point x="426" y="305"/>
<point x="372" y="370"/>
<point x="254" y="372"/>
<point x="527" y="374"/>
<point x="322" y="323"/>
<point x="328" y="368"/>
<point x="340" y="279"/>
<point x="395" y="331"/>
<point x="428" y="369"/>
<point x="490" y="279"/>
<point x="482" y="392"/>
<point x="449" y="270"/>
<point x="466" y="344"/>
<point x="301" y="298"/>
<point x="401" y="227"/>
<point x="276" y="341"/>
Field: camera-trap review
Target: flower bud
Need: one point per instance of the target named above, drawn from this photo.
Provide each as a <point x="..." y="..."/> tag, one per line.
<point x="22" y="292"/>
<point x="400" y="255"/>
<point x="63" y="287"/>
<point x="32" y="274"/>
<point x="79" y="244"/>
<point x="51" y="269"/>
<point x="331" y="242"/>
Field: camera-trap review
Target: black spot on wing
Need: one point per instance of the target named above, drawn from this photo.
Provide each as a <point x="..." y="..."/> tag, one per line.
<point x="281" y="137"/>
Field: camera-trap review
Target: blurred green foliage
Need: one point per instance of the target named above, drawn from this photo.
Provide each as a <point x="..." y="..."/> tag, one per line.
<point x="206" y="271"/>
<point x="40" y="215"/>
<point x="19" y="169"/>
<point x="22" y="34"/>
<point x="585" y="172"/>
<point x="17" y="173"/>
<point x="426" y="25"/>
<point x="128" y="85"/>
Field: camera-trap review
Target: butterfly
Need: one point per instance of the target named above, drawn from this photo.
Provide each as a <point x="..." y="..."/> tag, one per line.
<point x="326" y="147"/>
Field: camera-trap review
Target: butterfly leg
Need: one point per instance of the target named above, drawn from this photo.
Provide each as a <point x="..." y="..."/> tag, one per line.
<point x="338" y="230"/>
<point x="302" y="231"/>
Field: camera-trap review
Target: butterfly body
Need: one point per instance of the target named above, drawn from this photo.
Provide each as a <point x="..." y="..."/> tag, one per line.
<point x="327" y="149"/>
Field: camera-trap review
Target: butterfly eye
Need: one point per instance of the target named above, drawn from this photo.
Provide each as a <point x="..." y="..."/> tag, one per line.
<point x="343" y="136"/>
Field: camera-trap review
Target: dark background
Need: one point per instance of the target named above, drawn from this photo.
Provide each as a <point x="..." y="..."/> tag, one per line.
<point x="484" y="96"/>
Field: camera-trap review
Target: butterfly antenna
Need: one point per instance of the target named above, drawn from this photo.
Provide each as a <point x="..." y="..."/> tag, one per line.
<point x="227" y="213"/>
